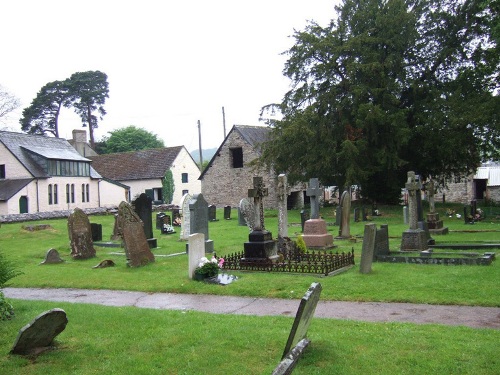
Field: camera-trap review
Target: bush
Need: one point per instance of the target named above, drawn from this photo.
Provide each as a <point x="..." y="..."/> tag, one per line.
<point x="6" y="309"/>
<point x="7" y="272"/>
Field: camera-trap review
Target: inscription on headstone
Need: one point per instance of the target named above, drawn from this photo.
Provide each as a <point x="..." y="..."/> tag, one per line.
<point x="186" y="217"/>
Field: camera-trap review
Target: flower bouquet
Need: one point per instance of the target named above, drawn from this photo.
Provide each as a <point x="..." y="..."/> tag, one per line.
<point x="208" y="268"/>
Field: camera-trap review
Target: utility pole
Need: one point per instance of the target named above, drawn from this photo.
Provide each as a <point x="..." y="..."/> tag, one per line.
<point x="199" y="144"/>
<point x="224" y="121"/>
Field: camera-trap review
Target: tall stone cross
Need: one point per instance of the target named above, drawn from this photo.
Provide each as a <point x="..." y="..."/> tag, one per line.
<point x="282" y="190"/>
<point x="313" y="191"/>
<point x="412" y="186"/>
<point x="431" y="190"/>
<point x="258" y="192"/>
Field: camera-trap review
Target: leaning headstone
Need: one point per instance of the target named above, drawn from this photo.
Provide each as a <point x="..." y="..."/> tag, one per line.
<point x="105" y="264"/>
<point x="282" y="193"/>
<point x="227" y="212"/>
<point x="246" y="208"/>
<point x="196" y="252"/>
<point x="80" y="235"/>
<point x="260" y="246"/>
<point x="345" y="203"/>
<point x="143" y="206"/>
<point x="39" y="334"/>
<point x="297" y="339"/>
<point x="186" y="217"/>
<point x="135" y="242"/>
<point x="315" y="234"/>
<point x="414" y="238"/>
<point x="52" y="257"/>
<point x="198" y="211"/>
<point x="212" y="213"/>
<point x="365" y="265"/>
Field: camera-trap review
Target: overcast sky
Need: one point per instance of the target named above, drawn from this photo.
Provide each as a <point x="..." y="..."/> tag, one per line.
<point x="169" y="64"/>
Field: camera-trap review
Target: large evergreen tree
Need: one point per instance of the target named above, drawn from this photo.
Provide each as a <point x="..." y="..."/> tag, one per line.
<point x="389" y="86"/>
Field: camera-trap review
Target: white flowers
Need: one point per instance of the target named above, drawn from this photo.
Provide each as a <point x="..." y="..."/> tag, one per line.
<point x="204" y="260"/>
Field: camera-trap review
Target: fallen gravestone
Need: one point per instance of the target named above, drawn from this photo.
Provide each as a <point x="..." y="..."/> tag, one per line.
<point x="105" y="263"/>
<point x="297" y="340"/>
<point x="38" y="335"/>
<point x="52" y="257"/>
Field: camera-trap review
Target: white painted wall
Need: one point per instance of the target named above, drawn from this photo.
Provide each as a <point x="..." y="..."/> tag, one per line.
<point x="13" y="168"/>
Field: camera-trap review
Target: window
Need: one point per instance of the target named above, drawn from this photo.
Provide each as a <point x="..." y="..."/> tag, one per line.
<point x="50" y="194"/>
<point x="68" y="168"/>
<point x="70" y="193"/>
<point x="236" y="157"/>
<point x="184" y="192"/>
<point x="55" y="194"/>
<point x="67" y="193"/>
<point x="2" y="170"/>
<point x="83" y="192"/>
<point x="184" y="178"/>
<point x="87" y="192"/>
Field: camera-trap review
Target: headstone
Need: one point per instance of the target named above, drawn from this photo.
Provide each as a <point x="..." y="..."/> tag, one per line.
<point x="345" y="203"/>
<point x="39" y="334"/>
<point x="96" y="230"/>
<point x="304" y="216"/>
<point x="117" y="231"/>
<point x="367" y="250"/>
<point x="176" y="217"/>
<point x="143" y="206"/>
<point x="166" y="225"/>
<point x="303" y="317"/>
<point x="196" y="252"/>
<point x="261" y="246"/>
<point x="212" y="213"/>
<point x="241" y="219"/>
<point x="136" y="246"/>
<point x="381" y="241"/>
<point x="52" y="257"/>
<point x="315" y="234"/>
<point x="364" y="214"/>
<point x="434" y="224"/>
<point x="227" y="212"/>
<point x="80" y="235"/>
<point x="338" y="215"/>
<point x="159" y="219"/>
<point x="246" y="209"/>
<point x="185" y="218"/>
<point x="414" y="238"/>
<point x="405" y="214"/>
<point x="356" y="215"/>
<point x="198" y="211"/>
<point x="105" y="264"/>
<point x="282" y="193"/>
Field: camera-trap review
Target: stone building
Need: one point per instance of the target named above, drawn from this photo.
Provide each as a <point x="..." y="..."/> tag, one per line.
<point x="229" y="174"/>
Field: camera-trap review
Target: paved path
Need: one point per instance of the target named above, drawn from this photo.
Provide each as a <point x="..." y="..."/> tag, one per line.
<point x="477" y="317"/>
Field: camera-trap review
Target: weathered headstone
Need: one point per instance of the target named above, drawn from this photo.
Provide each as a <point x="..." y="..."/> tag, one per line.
<point x="105" y="264"/>
<point x="345" y="226"/>
<point x="143" y="206"/>
<point x="196" y="252"/>
<point x="381" y="241"/>
<point x="52" y="257"/>
<point x="212" y="213"/>
<point x="261" y="245"/>
<point x="227" y="212"/>
<point x="39" y="334"/>
<point x="96" y="230"/>
<point x="135" y="242"/>
<point x="367" y="250"/>
<point x="185" y="218"/>
<point x="117" y="231"/>
<point x="80" y="235"/>
<point x="421" y="223"/>
<point x="405" y="214"/>
<point x="434" y="224"/>
<point x="198" y="211"/>
<point x="297" y="339"/>
<point x="282" y="193"/>
<point x="414" y="238"/>
<point x="338" y="215"/>
<point x="246" y="212"/>
<point x="315" y="234"/>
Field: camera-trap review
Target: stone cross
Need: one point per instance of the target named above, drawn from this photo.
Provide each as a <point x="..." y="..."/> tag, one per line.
<point x="282" y="206"/>
<point x="313" y="191"/>
<point x="258" y="192"/>
<point x="431" y="190"/>
<point x="413" y="187"/>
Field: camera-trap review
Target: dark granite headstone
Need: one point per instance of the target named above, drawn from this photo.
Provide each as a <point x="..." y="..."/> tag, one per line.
<point x="212" y="213"/>
<point x="381" y="241"/>
<point x="356" y="215"/>
<point x="80" y="235"/>
<point x="96" y="230"/>
<point x="304" y="216"/>
<point x="39" y="334"/>
<point x="136" y="245"/>
<point x="198" y="211"/>
<point x="227" y="212"/>
<point x="159" y="219"/>
<point x="338" y="215"/>
<point x="143" y="206"/>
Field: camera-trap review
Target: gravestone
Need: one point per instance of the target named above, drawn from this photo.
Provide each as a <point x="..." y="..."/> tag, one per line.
<point x="135" y="242"/>
<point x="338" y="215"/>
<point x="356" y="215"/>
<point x="381" y="241"/>
<point x="212" y="213"/>
<point x="364" y="214"/>
<point x="227" y="212"/>
<point x="304" y="216"/>
<point x="105" y="264"/>
<point x="166" y="225"/>
<point x="345" y="226"/>
<point x="297" y="339"/>
<point x="367" y="250"/>
<point x="117" y="231"/>
<point x="405" y="214"/>
<point x="196" y="252"/>
<point x="414" y="238"/>
<point x="176" y="217"/>
<point x="315" y="234"/>
<point x="246" y="212"/>
<point x="260" y="246"/>
<point x="159" y="219"/>
<point x="434" y="224"/>
<point x="96" y="230"/>
<point x="52" y="257"/>
<point x="185" y="218"/>
<point x="80" y="235"/>
<point x="143" y="207"/>
<point x="422" y="224"/>
<point x="39" y="334"/>
<point x="198" y="212"/>
<point x="282" y="193"/>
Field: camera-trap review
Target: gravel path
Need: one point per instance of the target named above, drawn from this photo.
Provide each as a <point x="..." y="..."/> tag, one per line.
<point x="471" y="316"/>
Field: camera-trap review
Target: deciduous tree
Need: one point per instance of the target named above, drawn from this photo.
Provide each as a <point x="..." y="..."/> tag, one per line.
<point x="130" y="138"/>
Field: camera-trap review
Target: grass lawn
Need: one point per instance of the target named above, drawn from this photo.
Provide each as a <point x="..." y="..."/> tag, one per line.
<point x="129" y="340"/>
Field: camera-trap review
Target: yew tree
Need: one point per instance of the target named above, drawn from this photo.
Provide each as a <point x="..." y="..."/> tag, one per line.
<point x="390" y="86"/>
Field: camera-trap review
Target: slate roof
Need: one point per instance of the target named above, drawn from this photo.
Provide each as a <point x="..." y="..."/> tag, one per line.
<point x="8" y="188"/>
<point x="136" y="165"/>
<point x="253" y="135"/>
<point x="21" y="145"/>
